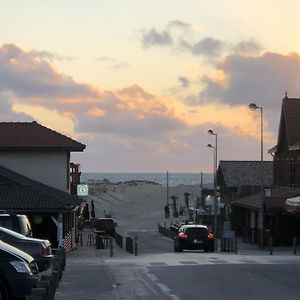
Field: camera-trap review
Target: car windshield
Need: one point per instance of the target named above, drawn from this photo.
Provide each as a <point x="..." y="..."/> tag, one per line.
<point x="196" y="232"/>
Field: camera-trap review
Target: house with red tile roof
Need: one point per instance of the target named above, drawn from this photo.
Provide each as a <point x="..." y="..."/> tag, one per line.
<point x="35" y="179"/>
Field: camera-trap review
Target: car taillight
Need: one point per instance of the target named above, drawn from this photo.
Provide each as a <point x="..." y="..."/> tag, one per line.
<point x="210" y="236"/>
<point x="183" y="236"/>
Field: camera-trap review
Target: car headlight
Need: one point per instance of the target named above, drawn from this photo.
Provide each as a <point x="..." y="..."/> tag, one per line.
<point x="21" y="267"/>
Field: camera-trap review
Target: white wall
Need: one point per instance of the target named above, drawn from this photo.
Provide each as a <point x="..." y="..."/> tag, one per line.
<point x="49" y="168"/>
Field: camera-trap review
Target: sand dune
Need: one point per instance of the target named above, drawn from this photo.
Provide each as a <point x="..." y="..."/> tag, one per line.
<point x="137" y="205"/>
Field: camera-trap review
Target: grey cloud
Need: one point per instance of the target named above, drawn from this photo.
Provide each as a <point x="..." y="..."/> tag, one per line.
<point x="261" y="79"/>
<point x="178" y="24"/>
<point x="248" y="47"/>
<point x="184" y="81"/>
<point x="51" y="56"/>
<point x="25" y="74"/>
<point x="154" y="38"/>
<point x="208" y="47"/>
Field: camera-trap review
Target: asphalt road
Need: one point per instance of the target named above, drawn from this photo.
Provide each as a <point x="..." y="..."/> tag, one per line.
<point x="159" y="273"/>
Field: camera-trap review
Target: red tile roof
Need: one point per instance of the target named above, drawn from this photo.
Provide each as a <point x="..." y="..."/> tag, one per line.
<point x="34" y="136"/>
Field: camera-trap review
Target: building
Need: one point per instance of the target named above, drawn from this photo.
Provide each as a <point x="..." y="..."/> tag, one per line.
<point x="238" y="179"/>
<point x="281" y="202"/>
<point x="35" y="179"/>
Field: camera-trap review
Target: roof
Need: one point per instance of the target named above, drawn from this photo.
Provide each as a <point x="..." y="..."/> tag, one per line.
<point x="291" y="110"/>
<point x="273" y="204"/>
<point x="245" y="173"/>
<point x="21" y="194"/>
<point x="251" y="202"/>
<point x="34" y="136"/>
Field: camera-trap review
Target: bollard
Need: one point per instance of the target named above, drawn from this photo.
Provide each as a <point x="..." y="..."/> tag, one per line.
<point x="55" y="275"/>
<point x="271" y="245"/>
<point x="235" y="244"/>
<point x="294" y="245"/>
<point x="135" y="246"/>
<point x="45" y="285"/>
<point x="111" y="252"/>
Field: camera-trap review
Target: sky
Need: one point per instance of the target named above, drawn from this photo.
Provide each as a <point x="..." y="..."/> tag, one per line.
<point x="140" y="82"/>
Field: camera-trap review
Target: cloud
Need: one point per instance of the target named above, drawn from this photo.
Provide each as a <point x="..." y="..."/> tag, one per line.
<point x="184" y="81"/>
<point x="154" y="38"/>
<point x="112" y="62"/>
<point x="49" y="55"/>
<point x="261" y="78"/>
<point x="250" y="47"/>
<point x="28" y="75"/>
<point x="207" y="47"/>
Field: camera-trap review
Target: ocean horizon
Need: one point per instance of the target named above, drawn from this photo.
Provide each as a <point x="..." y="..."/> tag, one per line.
<point x="161" y="178"/>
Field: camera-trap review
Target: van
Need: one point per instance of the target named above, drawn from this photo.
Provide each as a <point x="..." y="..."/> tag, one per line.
<point x="106" y="225"/>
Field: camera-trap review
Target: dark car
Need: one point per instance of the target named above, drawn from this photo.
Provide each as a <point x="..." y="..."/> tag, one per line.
<point x="194" y="237"/>
<point x="16" y="222"/>
<point x="40" y="250"/>
<point x="105" y="225"/>
<point x="18" y="273"/>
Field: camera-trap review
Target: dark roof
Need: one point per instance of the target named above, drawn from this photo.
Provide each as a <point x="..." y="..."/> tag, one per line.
<point x="19" y="193"/>
<point x="252" y="202"/>
<point x="34" y="136"/>
<point x="273" y="204"/>
<point x="245" y="173"/>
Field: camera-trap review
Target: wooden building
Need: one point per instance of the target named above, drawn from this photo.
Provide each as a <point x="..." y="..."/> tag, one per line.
<point x="35" y="179"/>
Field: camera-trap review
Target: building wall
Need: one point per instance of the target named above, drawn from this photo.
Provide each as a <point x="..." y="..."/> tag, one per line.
<point x="50" y="168"/>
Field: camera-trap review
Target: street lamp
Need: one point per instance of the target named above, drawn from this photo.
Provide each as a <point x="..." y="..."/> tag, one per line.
<point x="253" y="107"/>
<point x="215" y="185"/>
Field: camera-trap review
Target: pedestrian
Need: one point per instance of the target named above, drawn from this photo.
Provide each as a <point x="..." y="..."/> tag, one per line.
<point x="167" y="211"/>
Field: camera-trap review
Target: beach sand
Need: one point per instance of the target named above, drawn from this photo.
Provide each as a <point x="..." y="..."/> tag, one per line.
<point x="137" y="205"/>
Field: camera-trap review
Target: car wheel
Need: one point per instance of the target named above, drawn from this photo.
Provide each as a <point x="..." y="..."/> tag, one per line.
<point x="4" y="292"/>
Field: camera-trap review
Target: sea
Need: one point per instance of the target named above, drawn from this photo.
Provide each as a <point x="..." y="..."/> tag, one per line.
<point x="174" y="178"/>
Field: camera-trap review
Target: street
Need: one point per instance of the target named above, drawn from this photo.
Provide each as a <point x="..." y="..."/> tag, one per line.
<point x="159" y="273"/>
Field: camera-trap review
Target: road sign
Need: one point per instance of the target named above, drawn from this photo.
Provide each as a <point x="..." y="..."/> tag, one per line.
<point x="82" y="189"/>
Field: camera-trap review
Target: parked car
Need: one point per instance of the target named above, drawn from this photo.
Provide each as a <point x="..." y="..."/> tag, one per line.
<point x="18" y="273"/>
<point x="40" y="250"/>
<point x="16" y="222"/>
<point x="107" y="225"/>
<point x="194" y="237"/>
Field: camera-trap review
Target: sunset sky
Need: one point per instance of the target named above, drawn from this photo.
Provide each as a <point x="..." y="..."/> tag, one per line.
<point x="140" y="82"/>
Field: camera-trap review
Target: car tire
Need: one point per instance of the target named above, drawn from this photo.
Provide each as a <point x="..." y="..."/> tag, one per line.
<point x="4" y="291"/>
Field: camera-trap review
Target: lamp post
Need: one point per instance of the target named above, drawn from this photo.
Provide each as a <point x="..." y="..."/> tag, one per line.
<point x="253" y="107"/>
<point x="215" y="185"/>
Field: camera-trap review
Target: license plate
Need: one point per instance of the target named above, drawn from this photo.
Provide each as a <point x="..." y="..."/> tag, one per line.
<point x="197" y="242"/>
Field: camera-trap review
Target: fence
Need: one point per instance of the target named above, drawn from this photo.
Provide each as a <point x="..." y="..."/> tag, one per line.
<point x="131" y="245"/>
<point x="119" y="239"/>
<point x="166" y="232"/>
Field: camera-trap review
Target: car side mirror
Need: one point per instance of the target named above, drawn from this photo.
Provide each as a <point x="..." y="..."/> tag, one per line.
<point x="116" y="224"/>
